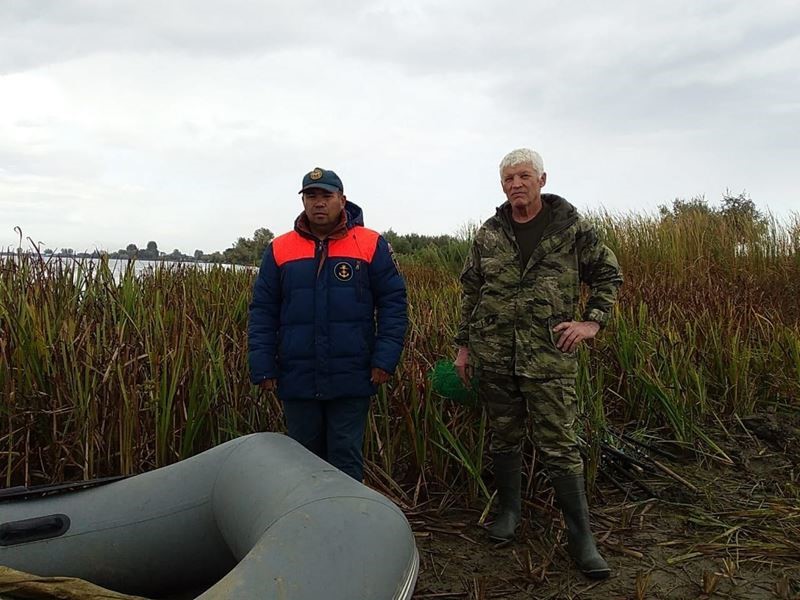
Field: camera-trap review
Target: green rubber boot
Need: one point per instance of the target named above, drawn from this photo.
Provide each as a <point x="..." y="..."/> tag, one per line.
<point x="508" y="477"/>
<point x="571" y="498"/>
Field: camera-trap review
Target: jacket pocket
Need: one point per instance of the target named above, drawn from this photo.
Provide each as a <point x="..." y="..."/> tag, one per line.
<point x="484" y="326"/>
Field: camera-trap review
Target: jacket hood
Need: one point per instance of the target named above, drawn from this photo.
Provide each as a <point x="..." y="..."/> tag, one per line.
<point x="353" y="217"/>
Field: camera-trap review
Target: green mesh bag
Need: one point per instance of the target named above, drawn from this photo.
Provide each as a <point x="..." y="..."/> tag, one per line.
<point x="446" y="382"/>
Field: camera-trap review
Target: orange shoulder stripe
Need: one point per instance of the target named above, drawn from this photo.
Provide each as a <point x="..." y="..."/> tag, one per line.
<point x="359" y="243"/>
<point x="291" y="246"/>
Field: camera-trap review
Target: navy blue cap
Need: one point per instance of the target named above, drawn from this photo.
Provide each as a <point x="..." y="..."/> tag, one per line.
<point x="323" y="179"/>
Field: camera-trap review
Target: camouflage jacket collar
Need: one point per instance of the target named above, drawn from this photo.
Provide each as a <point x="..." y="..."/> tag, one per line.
<point x="563" y="214"/>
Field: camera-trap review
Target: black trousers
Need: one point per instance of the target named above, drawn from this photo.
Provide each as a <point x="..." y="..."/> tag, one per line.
<point x="331" y="429"/>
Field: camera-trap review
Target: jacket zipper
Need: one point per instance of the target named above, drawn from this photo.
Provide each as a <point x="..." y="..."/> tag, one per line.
<point x="321" y="251"/>
<point x="510" y="235"/>
<point x="523" y="270"/>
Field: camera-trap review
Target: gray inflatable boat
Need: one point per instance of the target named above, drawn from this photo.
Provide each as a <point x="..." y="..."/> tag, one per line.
<point x="259" y="517"/>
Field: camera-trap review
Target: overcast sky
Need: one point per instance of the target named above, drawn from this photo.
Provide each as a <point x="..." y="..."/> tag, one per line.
<point x="192" y="122"/>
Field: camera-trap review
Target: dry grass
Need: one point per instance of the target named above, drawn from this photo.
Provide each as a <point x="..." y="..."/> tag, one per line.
<point x="105" y="375"/>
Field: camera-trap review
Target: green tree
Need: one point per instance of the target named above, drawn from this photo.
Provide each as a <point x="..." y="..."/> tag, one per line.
<point x="686" y="208"/>
<point x="261" y="239"/>
<point x="741" y="214"/>
<point x="150" y="253"/>
<point x="399" y="244"/>
<point x="240" y="253"/>
<point x="247" y="251"/>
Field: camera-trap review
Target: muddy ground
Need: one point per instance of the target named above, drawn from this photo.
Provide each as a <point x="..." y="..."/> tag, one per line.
<point x="716" y="530"/>
<point x="699" y="527"/>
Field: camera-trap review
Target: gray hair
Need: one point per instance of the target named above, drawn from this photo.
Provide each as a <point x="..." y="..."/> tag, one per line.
<point x="520" y="156"/>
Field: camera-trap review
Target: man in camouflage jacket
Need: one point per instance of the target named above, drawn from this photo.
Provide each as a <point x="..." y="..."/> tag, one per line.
<point x="521" y="285"/>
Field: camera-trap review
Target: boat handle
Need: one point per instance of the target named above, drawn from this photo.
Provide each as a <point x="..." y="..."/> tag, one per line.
<point x="32" y="530"/>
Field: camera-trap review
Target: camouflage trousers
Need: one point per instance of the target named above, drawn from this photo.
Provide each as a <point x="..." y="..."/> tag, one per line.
<point x="552" y="406"/>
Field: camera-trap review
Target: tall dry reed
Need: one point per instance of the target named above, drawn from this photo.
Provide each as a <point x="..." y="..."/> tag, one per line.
<point x="104" y="373"/>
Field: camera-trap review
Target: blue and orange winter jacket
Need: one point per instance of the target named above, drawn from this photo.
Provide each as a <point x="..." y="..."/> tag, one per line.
<point x="324" y="313"/>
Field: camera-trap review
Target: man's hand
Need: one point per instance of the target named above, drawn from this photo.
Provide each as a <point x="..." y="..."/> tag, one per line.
<point x="574" y="332"/>
<point x="379" y="376"/>
<point x="268" y="385"/>
<point x="463" y="368"/>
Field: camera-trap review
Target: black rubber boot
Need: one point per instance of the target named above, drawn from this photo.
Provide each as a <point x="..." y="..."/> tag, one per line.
<point x="508" y="477"/>
<point x="571" y="498"/>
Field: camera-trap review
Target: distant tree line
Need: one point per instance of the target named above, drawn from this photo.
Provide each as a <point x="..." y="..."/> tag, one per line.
<point x="447" y="251"/>
<point x="737" y="210"/>
<point x="410" y="243"/>
<point x="245" y="251"/>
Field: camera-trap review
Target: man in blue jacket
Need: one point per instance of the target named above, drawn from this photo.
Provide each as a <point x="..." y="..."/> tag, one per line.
<point x="327" y="322"/>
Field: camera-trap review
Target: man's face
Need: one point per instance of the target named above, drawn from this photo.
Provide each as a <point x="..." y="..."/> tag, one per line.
<point x="323" y="208"/>
<point x="522" y="185"/>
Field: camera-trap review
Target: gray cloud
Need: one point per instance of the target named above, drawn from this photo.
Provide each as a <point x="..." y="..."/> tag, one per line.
<point x="177" y="109"/>
<point x="41" y="32"/>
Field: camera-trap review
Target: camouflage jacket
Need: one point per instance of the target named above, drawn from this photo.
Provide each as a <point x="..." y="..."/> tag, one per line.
<point x="508" y="313"/>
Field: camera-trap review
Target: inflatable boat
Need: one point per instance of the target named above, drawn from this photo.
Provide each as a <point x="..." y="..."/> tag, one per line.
<point x="256" y="518"/>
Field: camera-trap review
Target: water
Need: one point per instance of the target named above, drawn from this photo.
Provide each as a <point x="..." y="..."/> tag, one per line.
<point x="118" y="266"/>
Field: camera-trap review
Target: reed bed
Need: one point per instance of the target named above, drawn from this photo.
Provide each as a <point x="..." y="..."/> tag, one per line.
<point x="106" y="374"/>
